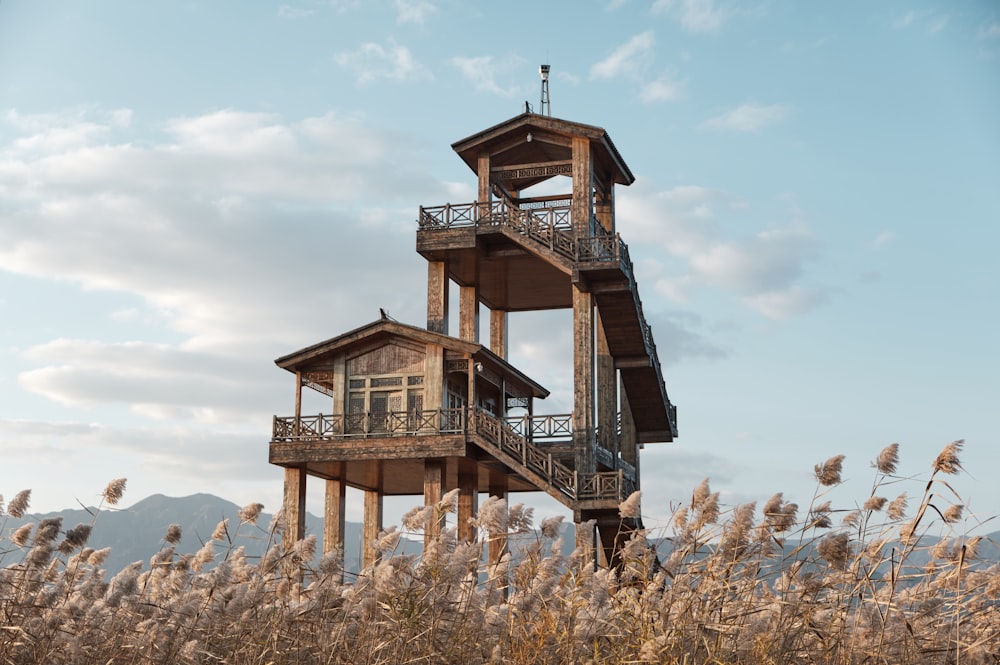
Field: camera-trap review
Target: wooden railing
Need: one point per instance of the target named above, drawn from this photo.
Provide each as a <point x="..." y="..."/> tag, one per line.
<point x="348" y="425"/>
<point x="542" y="427"/>
<point x="604" y="485"/>
<point x="550" y="226"/>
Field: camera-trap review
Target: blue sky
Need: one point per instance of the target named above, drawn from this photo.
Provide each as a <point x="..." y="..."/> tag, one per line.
<point x="189" y="190"/>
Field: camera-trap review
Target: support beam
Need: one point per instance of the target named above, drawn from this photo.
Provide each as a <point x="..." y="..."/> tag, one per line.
<point x="434" y="470"/>
<point x="498" y="488"/>
<point x="468" y="313"/>
<point x="468" y="497"/>
<point x="628" y="442"/>
<point x="437" y="297"/>
<point x="498" y="332"/>
<point x="607" y="391"/>
<point x="583" y="187"/>
<point x="485" y="193"/>
<point x="604" y="207"/>
<point x="583" y="380"/>
<point x="371" y="528"/>
<point x="334" y="514"/>
<point x="294" y="507"/>
<point x="586" y="538"/>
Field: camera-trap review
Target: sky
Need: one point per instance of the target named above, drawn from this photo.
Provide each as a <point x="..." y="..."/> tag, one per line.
<point x="190" y="190"/>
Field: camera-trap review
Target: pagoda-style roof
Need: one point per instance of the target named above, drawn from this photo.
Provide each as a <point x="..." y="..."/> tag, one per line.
<point x="385" y="328"/>
<point x="548" y="151"/>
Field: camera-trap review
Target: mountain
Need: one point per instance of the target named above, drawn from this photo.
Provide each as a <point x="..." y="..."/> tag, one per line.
<point x="136" y="533"/>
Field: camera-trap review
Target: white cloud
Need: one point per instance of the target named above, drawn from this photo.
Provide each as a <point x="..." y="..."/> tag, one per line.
<point x="483" y="71"/>
<point x="749" y="117"/>
<point x="373" y="61"/>
<point x="883" y="238"/>
<point x="784" y="303"/>
<point x="929" y="19"/>
<point x="763" y="270"/>
<point x="991" y="31"/>
<point x="629" y="60"/>
<point x="413" y="11"/>
<point x="694" y="15"/>
<point x="235" y="230"/>
<point x="287" y="11"/>
<point x="664" y="89"/>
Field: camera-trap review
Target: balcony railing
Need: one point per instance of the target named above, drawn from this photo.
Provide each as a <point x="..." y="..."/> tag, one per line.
<point x="378" y="424"/>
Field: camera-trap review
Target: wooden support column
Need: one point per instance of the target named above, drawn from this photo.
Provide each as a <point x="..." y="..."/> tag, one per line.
<point x="372" y="526"/>
<point x="607" y="391"/>
<point x="434" y="383"/>
<point x="583" y="187"/>
<point x="339" y="385"/>
<point x="586" y="538"/>
<point x="334" y="511"/>
<point x="604" y="206"/>
<point x="498" y="488"/>
<point x="434" y="470"/>
<point x="498" y="332"/>
<point x="468" y="497"/>
<point x="583" y="380"/>
<point x="294" y="507"/>
<point x="485" y="193"/>
<point x="628" y="441"/>
<point x="437" y="297"/>
<point x="468" y="313"/>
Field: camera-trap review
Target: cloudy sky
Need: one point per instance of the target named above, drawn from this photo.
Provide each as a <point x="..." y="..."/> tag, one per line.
<point x="189" y="190"/>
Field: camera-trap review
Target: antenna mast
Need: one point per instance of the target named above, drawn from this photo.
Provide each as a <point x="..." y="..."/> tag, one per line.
<point x="546" y="106"/>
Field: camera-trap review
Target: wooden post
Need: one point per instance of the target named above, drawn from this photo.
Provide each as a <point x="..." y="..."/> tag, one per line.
<point x="498" y="488"/>
<point x="339" y="385"/>
<point x="372" y="526"/>
<point x="498" y="332"/>
<point x="607" y="391"/>
<point x="604" y="206"/>
<point x="294" y="507"/>
<point x="628" y="440"/>
<point x="434" y="470"/>
<point x="583" y="178"/>
<point x="434" y="377"/>
<point x="583" y="380"/>
<point x="468" y="497"/>
<point x="437" y="297"/>
<point x="586" y="537"/>
<point x="468" y="313"/>
<point x="334" y="508"/>
<point x="485" y="193"/>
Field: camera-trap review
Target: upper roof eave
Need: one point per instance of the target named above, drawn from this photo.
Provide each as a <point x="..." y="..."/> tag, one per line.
<point x="467" y="148"/>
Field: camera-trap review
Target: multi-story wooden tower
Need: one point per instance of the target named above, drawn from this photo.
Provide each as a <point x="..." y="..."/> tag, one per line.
<point x="418" y="410"/>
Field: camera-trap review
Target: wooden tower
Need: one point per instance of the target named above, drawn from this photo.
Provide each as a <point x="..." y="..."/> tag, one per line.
<point x="420" y="410"/>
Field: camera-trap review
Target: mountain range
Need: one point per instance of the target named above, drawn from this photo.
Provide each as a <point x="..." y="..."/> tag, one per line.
<point x="136" y="533"/>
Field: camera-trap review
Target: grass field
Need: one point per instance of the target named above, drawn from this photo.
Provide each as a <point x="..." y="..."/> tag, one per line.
<point x="774" y="584"/>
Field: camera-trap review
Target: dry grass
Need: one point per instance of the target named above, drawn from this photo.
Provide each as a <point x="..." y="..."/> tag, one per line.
<point x="820" y="585"/>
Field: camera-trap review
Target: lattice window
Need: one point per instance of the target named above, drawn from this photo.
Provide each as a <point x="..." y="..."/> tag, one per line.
<point x="386" y="381"/>
<point x="354" y="384"/>
<point x="414" y="380"/>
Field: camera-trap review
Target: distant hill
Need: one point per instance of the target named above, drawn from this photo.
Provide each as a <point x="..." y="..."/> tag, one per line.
<point x="136" y="533"/>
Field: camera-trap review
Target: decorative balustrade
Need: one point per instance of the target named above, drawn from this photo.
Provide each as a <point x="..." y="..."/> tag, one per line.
<point x="542" y="427"/>
<point x="349" y="425"/>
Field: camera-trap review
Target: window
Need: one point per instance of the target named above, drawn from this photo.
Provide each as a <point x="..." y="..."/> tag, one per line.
<point x="375" y="404"/>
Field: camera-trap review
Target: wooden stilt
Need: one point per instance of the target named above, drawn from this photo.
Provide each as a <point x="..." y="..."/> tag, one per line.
<point x="468" y="497"/>
<point x="371" y="528"/>
<point x="433" y="489"/>
<point x="498" y="488"/>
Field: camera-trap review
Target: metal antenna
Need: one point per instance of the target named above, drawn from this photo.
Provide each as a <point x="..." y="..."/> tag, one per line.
<point x="545" y="108"/>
